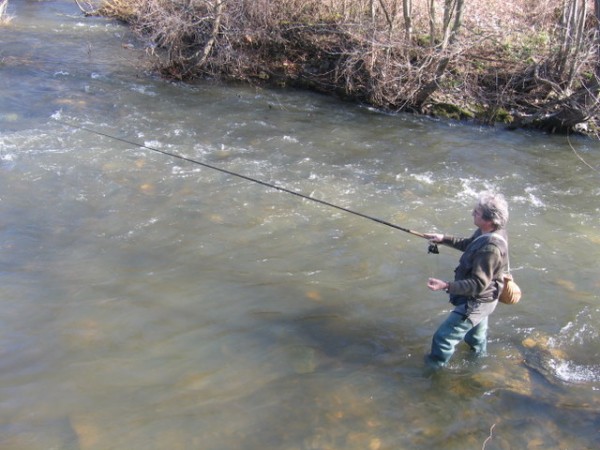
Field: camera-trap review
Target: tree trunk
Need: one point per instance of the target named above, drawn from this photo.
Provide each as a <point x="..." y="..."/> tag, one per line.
<point x="430" y="87"/>
<point x="460" y="6"/>
<point x="453" y="13"/>
<point x="407" y="11"/>
<point x="448" y="9"/>
<point x="432" y="22"/>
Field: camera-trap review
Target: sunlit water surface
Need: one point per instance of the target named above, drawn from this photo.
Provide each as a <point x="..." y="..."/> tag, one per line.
<point x="152" y="303"/>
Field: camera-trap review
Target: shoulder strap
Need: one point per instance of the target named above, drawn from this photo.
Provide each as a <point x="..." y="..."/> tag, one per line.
<point x="505" y="243"/>
<point x="481" y="236"/>
<point x="499" y="237"/>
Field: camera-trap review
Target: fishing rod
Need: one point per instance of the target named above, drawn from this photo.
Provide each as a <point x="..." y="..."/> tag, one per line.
<point x="432" y="246"/>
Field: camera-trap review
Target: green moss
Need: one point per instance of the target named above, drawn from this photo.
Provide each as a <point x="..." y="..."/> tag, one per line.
<point x="491" y="115"/>
<point x="503" y="116"/>
<point x="450" y="111"/>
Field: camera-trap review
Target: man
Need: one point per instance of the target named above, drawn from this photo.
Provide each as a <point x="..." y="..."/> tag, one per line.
<point x="477" y="281"/>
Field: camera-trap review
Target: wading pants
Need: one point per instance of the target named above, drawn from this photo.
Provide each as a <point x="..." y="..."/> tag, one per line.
<point x="455" y="329"/>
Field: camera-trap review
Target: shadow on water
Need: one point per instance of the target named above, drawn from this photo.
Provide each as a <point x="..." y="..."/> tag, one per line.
<point x="343" y="388"/>
<point x="501" y="398"/>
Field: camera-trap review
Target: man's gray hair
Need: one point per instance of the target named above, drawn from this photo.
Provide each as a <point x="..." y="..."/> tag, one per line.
<point x="493" y="207"/>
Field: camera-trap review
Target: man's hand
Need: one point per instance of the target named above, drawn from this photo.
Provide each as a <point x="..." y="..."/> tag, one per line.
<point x="436" y="285"/>
<point x="436" y="238"/>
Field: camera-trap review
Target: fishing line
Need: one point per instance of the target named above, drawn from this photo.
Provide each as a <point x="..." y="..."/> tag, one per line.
<point x="432" y="247"/>
<point x="580" y="157"/>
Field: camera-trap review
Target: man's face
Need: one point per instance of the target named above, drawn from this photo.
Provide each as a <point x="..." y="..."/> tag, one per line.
<point x="477" y="218"/>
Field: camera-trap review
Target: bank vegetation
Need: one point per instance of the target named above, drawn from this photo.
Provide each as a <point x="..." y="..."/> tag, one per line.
<point x="524" y="63"/>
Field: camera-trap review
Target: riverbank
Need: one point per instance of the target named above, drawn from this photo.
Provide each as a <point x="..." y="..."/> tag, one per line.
<point x="507" y="63"/>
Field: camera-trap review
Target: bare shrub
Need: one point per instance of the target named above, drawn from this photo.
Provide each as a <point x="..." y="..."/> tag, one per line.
<point x="395" y="54"/>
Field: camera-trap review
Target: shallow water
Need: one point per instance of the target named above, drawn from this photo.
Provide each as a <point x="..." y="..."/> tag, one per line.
<point x="149" y="302"/>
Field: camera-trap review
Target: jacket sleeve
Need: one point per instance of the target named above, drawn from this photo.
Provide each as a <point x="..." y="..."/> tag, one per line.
<point x="457" y="243"/>
<point x="486" y="263"/>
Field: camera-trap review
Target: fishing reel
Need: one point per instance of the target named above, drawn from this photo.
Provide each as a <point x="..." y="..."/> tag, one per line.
<point x="433" y="248"/>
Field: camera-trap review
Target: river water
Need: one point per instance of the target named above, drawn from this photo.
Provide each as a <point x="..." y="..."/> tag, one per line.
<point x="152" y="303"/>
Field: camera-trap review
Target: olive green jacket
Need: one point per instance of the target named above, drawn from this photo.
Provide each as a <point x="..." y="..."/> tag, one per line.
<point x="478" y="277"/>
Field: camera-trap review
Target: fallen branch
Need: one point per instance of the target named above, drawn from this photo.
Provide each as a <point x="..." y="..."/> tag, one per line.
<point x="213" y="37"/>
<point x="89" y="11"/>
